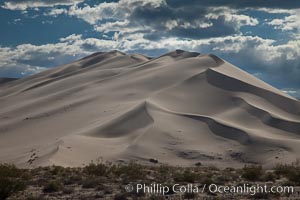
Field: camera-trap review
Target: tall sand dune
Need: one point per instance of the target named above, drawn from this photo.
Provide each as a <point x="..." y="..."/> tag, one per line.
<point x="180" y="108"/>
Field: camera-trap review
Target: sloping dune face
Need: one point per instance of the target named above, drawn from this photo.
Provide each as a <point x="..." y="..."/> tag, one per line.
<point x="180" y="109"/>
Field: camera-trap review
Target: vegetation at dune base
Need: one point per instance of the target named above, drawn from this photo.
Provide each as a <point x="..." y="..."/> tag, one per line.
<point x="12" y="180"/>
<point x="106" y="180"/>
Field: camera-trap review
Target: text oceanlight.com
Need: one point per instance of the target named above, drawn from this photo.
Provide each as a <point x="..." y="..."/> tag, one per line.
<point x="212" y="188"/>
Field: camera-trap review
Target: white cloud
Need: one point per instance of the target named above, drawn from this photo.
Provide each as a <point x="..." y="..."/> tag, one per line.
<point x="292" y="91"/>
<point x="26" y="4"/>
<point x="288" y="23"/>
<point x="56" y="11"/>
<point x="27" y="59"/>
<point x="47" y="22"/>
<point x="274" y="10"/>
<point x="121" y="17"/>
<point x="71" y="38"/>
<point x="231" y="16"/>
<point x="264" y="57"/>
<point x="255" y="48"/>
<point x="94" y="14"/>
<point x="113" y="10"/>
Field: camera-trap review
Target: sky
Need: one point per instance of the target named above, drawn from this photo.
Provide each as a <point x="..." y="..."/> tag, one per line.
<point x="261" y="37"/>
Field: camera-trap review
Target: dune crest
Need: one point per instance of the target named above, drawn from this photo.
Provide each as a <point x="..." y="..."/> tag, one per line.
<point x="180" y="108"/>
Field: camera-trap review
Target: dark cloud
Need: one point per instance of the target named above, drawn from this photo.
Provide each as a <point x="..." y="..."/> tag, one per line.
<point x="280" y="4"/>
<point x="219" y="28"/>
<point x="34" y="1"/>
<point x="188" y="22"/>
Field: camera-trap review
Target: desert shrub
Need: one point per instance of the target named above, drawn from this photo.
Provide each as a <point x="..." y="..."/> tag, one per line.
<point x="101" y="187"/>
<point x="165" y="169"/>
<point x="261" y="195"/>
<point x="157" y="197"/>
<point x="294" y="176"/>
<point x="108" y="191"/>
<point x="57" y="171"/>
<point x="189" y="195"/>
<point x="206" y="180"/>
<point x="10" y="170"/>
<point x="252" y="172"/>
<point x="97" y="169"/>
<point x="163" y="173"/>
<point x="186" y="176"/>
<point x="99" y="196"/>
<point x="91" y="183"/>
<point x="72" y="179"/>
<point x="221" y="179"/>
<point x="140" y="193"/>
<point x="283" y="170"/>
<point x="68" y="190"/>
<point x="52" y="186"/>
<point x="153" y="160"/>
<point x="227" y="175"/>
<point x="213" y="168"/>
<point x="12" y="180"/>
<point x="121" y="196"/>
<point x="291" y="172"/>
<point x="132" y="171"/>
<point x="35" y="197"/>
<point x="269" y="176"/>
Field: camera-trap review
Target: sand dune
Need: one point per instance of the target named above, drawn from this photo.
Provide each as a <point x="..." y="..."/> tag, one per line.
<point x="180" y="108"/>
<point x="6" y="80"/>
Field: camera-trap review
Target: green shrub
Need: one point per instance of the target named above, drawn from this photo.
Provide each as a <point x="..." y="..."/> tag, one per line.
<point x="186" y="176"/>
<point x="252" y="172"/>
<point x="162" y="173"/>
<point x="156" y="197"/>
<point x="294" y="176"/>
<point x="221" y="179"/>
<point x="91" y="183"/>
<point x="96" y="169"/>
<point x="189" y="195"/>
<point x="68" y="190"/>
<point x="35" y="197"/>
<point x="52" y="186"/>
<point x="291" y="172"/>
<point x="57" y="171"/>
<point x="283" y="170"/>
<point x="12" y="180"/>
<point x="72" y="179"/>
<point x="121" y="196"/>
<point x="206" y="180"/>
<point x="269" y="176"/>
<point x="132" y="171"/>
<point x="152" y="160"/>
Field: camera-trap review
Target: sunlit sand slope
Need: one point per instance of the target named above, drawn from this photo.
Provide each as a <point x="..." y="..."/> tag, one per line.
<point x="180" y="108"/>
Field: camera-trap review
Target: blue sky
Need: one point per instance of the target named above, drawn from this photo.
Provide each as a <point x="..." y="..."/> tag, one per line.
<point x="260" y="36"/>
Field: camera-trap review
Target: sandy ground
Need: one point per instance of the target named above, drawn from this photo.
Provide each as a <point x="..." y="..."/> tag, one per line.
<point x="180" y="108"/>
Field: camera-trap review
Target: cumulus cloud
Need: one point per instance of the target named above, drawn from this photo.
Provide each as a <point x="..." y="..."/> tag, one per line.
<point x="27" y="59"/>
<point x="279" y="62"/>
<point x="274" y="4"/>
<point x="292" y="91"/>
<point x="288" y="23"/>
<point x="197" y="21"/>
<point x="56" y="12"/>
<point x="26" y="4"/>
